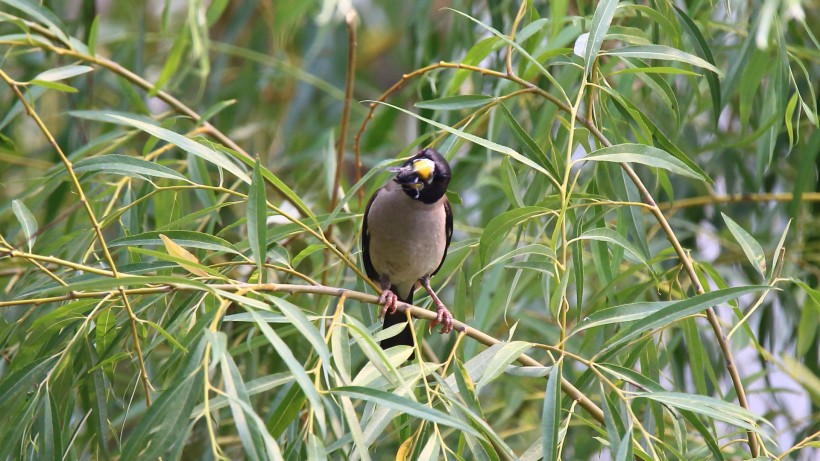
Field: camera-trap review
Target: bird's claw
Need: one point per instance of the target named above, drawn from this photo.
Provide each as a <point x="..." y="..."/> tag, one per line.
<point x="387" y="301"/>
<point x="443" y="317"/>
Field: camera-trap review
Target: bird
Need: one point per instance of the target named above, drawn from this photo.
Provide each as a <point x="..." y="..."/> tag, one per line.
<point x="406" y="231"/>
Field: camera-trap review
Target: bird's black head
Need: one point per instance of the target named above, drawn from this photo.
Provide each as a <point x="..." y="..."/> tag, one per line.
<point x="425" y="176"/>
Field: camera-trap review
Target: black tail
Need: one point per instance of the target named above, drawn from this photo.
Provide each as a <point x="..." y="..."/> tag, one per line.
<point x="405" y="337"/>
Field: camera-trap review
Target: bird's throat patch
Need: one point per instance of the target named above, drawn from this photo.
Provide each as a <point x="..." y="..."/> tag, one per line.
<point x="424" y="168"/>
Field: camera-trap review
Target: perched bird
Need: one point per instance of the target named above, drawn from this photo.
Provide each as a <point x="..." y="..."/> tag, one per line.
<point x="406" y="231"/>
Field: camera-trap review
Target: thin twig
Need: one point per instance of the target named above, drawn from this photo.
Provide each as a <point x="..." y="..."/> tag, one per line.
<point x="415" y="311"/>
<point x="350" y="21"/>
<point x="95" y="224"/>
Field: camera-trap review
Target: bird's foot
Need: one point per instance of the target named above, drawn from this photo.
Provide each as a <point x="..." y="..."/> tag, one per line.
<point x="443" y="317"/>
<point x="387" y="302"/>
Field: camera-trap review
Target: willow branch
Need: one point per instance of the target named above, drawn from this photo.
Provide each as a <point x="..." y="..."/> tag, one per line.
<point x="415" y="311"/>
<point x="94" y="223"/>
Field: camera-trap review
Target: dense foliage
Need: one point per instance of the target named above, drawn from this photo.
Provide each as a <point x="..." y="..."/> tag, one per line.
<point x="635" y="255"/>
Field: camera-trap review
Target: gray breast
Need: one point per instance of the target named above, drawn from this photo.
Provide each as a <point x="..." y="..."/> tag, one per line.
<point x="407" y="237"/>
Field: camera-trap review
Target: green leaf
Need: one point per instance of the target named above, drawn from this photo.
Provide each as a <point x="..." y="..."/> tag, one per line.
<point x="19" y="380"/>
<point x="173" y="61"/>
<point x="517" y="48"/>
<point x="708" y="406"/>
<point x="752" y="249"/>
<point x="508" y="353"/>
<point x="42" y="15"/>
<point x="299" y="373"/>
<point x="498" y="227"/>
<point x="300" y="321"/>
<point x="677" y="311"/>
<point x="93" y="36"/>
<point x="474" y="55"/>
<point x="62" y="73"/>
<point x="604" y="234"/>
<point x="256" y="214"/>
<point x="54" y="86"/>
<point x="531" y="148"/>
<point x="27" y="221"/>
<point x="705" y="51"/>
<point x="184" y="143"/>
<point x="127" y="166"/>
<point x="645" y="155"/>
<point x="465" y="101"/>
<point x="533" y="249"/>
<point x="162" y="425"/>
<point x="185" y="238"/>
<point x="477" y="140"/>
<point x="105" y="330"/>
<point x="601" y="19"/>
<point x="309" y="250"/>
<point x="551" y="414"/>
<point x="665" y="53"/>
<point x="215" y="109"/>
<point x="404" y="405"/>
<point x="620" y="314"/>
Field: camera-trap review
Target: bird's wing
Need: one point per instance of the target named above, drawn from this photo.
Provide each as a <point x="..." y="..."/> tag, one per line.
<point x="368" y="266"/>
<point x="448" y="230"/>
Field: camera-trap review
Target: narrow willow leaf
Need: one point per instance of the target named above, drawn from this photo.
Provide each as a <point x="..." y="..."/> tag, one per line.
<point x="751" y="248"/>
<point x="175" y="250"/>
<point x="27" y="221"/>
<point x="168" y="336"/>
<point x="256" y="214"/>
<point x="184" y="143"/>
<point x="805" y="181"/>
<point x="55" y="86"/>
<point x="531" y="148"/>
<point x="184" y="238"/>
<point x="506" y="355"/>
<point x="404" y="405"/>
<point x="643" y="154"/>
<point x="665" y="53"/>
<point x="172" y="61"/>
<point x="621" y="314"/>
<point x="160" y="428"/>
<point x="464" y="101"/>
<point x="538" y="65"/>
<point x="42" y="15"/>
<point x="551" y="414"/>
<point x="804" y="376"/>
<point x="93" y="36"/>
<point x="126" y="165"/>
<point x="309" y="250"/>
<point x="17" y="382"/>
<point x="474" y="55"/>
<point x="625" y="447"/>
<point x="533" y="249"/>
<point x="105" y="330"/>
<point x="499" y="226"/>
<point x="486" y="143"/>
<point x="677" y="311"/>
<point x="62" y="73"/>
<point x="235" y="391"/>
<point x="643" y="382"/>
<point x="809" y="325"/>
<point x="708" y="406"/>
<point x="706" y="52"/>
<point x="601" y="19"/>
<point x="294" y="366"/>
<point x="604" y="234"/>
<point x="215" y="109"/>
<point x="300" y="321"/>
